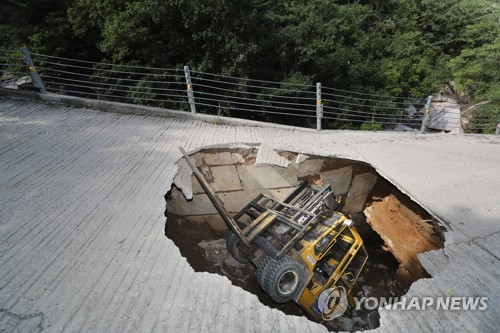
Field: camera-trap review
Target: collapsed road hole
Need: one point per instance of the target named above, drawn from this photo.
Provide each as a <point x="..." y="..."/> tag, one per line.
<point x="394" y="229"/>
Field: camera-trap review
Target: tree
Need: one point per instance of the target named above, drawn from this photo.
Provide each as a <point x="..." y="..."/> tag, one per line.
<point x="383" y="47"/>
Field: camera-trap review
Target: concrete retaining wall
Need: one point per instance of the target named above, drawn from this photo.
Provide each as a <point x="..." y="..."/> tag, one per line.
<point x="236" y="178"/>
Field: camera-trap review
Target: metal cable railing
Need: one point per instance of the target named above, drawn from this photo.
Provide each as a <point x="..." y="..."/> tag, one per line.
<point x="160" y="87"/>
<point x="254" y="99"/>
<point x="254" y="80"/>
<point x="281" y="102"/>
<point x="384" y="97"/>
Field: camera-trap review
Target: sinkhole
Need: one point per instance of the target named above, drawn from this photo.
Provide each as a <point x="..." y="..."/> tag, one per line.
<point x="394" y="229"/>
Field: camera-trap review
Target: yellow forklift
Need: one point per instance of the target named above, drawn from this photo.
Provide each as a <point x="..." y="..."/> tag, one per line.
<point x="301" y="246"/>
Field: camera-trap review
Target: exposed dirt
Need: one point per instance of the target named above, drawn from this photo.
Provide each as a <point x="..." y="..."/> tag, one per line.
<point x="314" y="179"/>
<point x="407" y="230"/>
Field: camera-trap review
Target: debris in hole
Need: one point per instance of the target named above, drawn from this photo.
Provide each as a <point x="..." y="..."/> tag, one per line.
<point x="300" y="246"/>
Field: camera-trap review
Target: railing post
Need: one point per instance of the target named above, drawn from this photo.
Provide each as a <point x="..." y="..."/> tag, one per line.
<point x="319" y="107"/>
<point x="427" y="115"/>
<point x="497" y="130"/>
<point x="190" y="89"/>
<point x="35" y="77"/>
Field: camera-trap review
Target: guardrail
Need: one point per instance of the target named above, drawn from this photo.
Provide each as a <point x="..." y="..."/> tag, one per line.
<point x="296" y="104"/>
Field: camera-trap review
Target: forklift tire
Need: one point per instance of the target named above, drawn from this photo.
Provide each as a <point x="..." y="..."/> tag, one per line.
<point x="232" y="244"/>
<point x="259" y="273"/>
<point x="283" y="279"/>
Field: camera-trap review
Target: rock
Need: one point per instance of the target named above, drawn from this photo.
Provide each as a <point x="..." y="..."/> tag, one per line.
<point x="301" y="158"/>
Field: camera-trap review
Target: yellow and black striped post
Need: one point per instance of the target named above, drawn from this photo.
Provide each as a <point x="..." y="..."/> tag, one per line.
<point x="427" y="115"/>
<point x="190" y="92"/>
<point x="35" y="76"/>
<point x="319" y="107"/>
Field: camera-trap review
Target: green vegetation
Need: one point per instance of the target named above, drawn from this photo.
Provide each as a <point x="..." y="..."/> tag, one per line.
<point x="371" y="127"/>
<point x="484" y="119"/>
<point x="388" y="47"/>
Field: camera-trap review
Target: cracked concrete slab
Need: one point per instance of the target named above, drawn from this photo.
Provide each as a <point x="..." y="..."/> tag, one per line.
<point x="267" y="156"/>
<point x="183" y="179"/>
